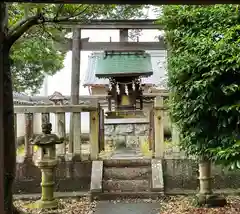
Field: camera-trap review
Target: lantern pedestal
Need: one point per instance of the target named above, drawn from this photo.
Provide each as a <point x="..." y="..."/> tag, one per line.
<point x="47" y="200"/>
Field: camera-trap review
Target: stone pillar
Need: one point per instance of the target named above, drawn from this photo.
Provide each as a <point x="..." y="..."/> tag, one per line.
<point x="75" y="119"/>
<point x="94" y="135"/>
<point x="205" y="195"/>
<point x="158" y="127"/>
<point x="205" y="178"/>
<point x="176" y="141"/>
<point x="175" y="134"/>
<point x="28" y="135"/>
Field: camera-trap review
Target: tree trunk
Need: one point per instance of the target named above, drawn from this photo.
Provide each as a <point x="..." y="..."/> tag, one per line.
<point x="7" y="117"/>
<point x="9" y="139"/>
<point x="2" y="19"/>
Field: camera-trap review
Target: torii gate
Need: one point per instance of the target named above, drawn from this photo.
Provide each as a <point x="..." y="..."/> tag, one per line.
<point x="3" y="16"/>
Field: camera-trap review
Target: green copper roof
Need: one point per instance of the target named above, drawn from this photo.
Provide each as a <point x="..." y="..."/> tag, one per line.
<point x="113" y="64"/>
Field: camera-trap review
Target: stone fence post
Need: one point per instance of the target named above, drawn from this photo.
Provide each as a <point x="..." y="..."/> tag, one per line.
<point x="159" y="127"/>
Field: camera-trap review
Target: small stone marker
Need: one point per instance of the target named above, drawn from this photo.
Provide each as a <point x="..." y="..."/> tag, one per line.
<point x="157" y="175"/>
<point x="97" y="176"/>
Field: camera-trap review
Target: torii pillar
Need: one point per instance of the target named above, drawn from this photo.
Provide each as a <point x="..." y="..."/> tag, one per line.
<point x="75" y="119"/>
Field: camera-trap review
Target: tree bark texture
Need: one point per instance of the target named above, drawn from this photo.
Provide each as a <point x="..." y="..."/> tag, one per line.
<point x="7" y="118"/>
<point x="9" y="138"/>
<point x="2" y="35"/>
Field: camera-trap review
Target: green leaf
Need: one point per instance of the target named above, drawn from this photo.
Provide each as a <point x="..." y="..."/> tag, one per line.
<point x="204" y="78"/>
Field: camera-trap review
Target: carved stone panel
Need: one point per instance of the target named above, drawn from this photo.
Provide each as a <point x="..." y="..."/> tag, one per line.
<point x="141" y="129"/>
<point x="124" y="129"/>
<point x="109" y="129"/>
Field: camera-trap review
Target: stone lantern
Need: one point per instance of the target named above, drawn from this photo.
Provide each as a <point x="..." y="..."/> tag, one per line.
<point x="47" y="162"/>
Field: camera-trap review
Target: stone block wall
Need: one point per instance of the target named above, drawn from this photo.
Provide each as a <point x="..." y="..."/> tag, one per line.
<point x="132" y="135"/>
<point x="28" y="177"/>
<point x="182" y="174"/>
<point x="179" y="174"/>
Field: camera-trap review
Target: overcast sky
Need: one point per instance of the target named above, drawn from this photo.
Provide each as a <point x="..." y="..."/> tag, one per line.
<point x="61" y="81"/>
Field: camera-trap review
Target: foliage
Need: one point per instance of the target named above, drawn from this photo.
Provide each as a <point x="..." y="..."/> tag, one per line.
<point x="36" y="53"/>
<point x="144" y="147"/>
<point x="204" y="78"/>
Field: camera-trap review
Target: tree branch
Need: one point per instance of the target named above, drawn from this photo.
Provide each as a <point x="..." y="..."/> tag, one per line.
<point x="67" y="18"/>
<point x="22" y="27"/>
<point x="58" y="11"/>
<point x="19" y="24"/>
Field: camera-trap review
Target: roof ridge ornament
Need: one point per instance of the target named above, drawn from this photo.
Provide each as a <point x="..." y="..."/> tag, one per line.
<point x="57" y="98"/>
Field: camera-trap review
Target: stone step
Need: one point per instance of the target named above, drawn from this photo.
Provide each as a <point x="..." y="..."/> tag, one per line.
<point x="126" y="162"/>
<point x="127" y="195"/>
<point x="126" y="185"/>
<point x="127" y="173"/>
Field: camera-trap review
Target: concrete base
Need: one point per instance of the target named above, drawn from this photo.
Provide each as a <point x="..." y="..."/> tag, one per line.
<point x="46" y="204"/>
<point x="212" y="200"/>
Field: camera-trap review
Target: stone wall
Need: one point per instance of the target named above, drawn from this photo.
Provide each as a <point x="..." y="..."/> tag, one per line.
<point x="132" y="135"/>
<point x="131" y="131"/>
<point x="28" y="177"/>
<point x="180" y="174"/>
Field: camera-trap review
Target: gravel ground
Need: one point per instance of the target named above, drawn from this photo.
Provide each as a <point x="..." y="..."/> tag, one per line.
<point x="66" y="206"/>
<point x="184" y="205"/>
<point x="169" y="205"/>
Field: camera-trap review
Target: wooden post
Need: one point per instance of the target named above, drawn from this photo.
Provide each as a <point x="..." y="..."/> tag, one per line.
<point x="94" y="135"/>
<point x="77" y="133"/>
<point x="109" y="103"/>
<point x="61" y="132"/>
<point x="101" y="129"/>
<point x="123" y="35"/>
<point x="45" y="118"/>
<point x="158" y="127"/>
<point x="28" y="135"/>
<point x="151" y="131"/>
<point x="75" y="141"/>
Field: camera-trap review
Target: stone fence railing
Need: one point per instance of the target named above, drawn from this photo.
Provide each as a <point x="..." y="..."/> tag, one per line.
<point x="74" y="144"/>
<point x="96" y="120"/>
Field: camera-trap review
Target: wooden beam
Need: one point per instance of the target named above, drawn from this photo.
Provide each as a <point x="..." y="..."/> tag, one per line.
<point x="108" y="46"/>
<point x="131" y="2"/>
<point x="164" y="93"/>
<point x="112" y="24"/>
<point x="54" y="109"/>
<point x="122" y="46"/>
